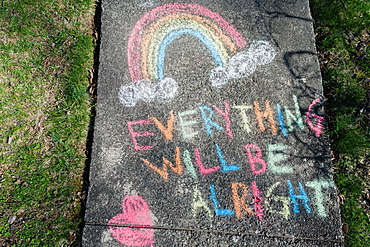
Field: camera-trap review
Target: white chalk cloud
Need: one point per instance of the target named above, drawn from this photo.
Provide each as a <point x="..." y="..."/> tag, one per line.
<point x="148" y="91"/>
<point x="241" y="65"/>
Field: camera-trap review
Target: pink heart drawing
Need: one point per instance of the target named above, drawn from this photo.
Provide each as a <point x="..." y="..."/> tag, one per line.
<point x="135" y="211"/>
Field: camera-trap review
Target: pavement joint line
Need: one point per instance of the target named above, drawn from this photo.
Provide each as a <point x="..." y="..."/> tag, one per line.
<point x="213" y="231"/>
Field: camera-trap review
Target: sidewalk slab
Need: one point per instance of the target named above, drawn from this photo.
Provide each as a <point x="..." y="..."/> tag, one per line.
<point x="210" y="128"/>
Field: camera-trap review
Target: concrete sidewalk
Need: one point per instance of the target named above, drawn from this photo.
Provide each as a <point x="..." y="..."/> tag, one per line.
<point x="210" y="128"/>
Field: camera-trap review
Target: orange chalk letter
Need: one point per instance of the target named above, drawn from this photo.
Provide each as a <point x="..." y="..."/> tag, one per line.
<point x="167" y="132"/>
<point x="178" y="168"/>
<point x="241" y="207"/>
<point x="268" y="113"/>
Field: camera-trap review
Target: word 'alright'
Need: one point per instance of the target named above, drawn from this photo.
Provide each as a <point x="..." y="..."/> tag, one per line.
<point x="295" y="200"/>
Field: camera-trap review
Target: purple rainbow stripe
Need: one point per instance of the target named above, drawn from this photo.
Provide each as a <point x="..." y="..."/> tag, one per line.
<point x="134" y="43"/>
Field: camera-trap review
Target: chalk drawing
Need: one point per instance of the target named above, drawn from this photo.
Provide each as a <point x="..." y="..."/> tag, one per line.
<point x="224" y="166"/>
<point x="196" y="163"/>
<point x="216" y="204"/>
<point x="243" y="64"/>
<point x="319" y="119"/>
<point x="294" y="119"/>
<point x="157" y="29"/>
<point x="262" y="52"/>
<point x="255" y="158"/>
<point x="284" y="200"/>
<point x="186" y="129"/>
<point x="275" y="154"/>
<point x="167" y="132"/>
<point x="173" y="36"/>
<point x="302" y="196"/>
<point x="202" y="169"/>
<point x="189" y="123"/>
<point x="178" y="168"/>
<point x="318" y="186"/>
<point x="268" y="113"/>
<point x="202" y="28"/>
<point x="147" y="91"/>
<point x="219" y="77"/>
<point x="291" y="119"/>
<point x="226" y="115"/>
<point x="174" y="10"/>
<point x="135" y="134"/>
<point x="166" y="90"/>
<point x="281" y="121"/>
<point x="128" y="95"/>
<point x="200" y="203"/>
<point x="258" y="201"/>
<point x="241" y="206"/>
<point x="189" y="165"/>
<point x="207" y="114"/>
<point x="135" y="211"/>
<point x="246" y="122"/>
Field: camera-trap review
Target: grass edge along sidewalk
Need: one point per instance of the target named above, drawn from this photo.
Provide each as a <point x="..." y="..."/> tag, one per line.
<point x="46" y="56"/>
<point x="343" y="40"/>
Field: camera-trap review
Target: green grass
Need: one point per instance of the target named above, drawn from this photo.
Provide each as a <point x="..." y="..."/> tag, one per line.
<point x="343" y="39"/>
<point x="46" y="52"/>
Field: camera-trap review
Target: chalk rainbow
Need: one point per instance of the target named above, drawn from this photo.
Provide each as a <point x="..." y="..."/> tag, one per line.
<point x="158" y="28"/>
